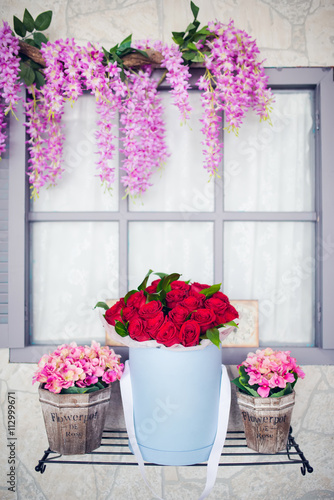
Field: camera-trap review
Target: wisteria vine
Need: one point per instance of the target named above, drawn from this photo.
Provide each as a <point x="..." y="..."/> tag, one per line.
<point x="234" y="81"/>
<point x="9" y="78"/>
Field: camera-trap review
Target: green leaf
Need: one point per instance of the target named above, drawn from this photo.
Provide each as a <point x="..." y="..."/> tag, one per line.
<point x="191" y="46"/>
<point x="73" y="390"/>
<point x="28" y="21"/>
<point x="252" y="392"/>
<point x="161" y="275"/>
<point x="213" y="335"/>
<point x="178" y="33"/>
<point x="165" y="282"/>
<point x="40" y="38"/>
<point x="92" y="388"/>
<point x="190" y="27"/>
<point x="103" y="305"/>
<point x="113" y="49"/>
<point x="30" y="42"/>
<point x="236" y="381"/>
<point x="204" y="31"/>
<point x="126" y="41"/>
<point x="121" y="329"/>
<point x="231" y="323"/>
<point x="43" y="20"/>
<point x="194" y="9"/>
<point x="189" y="56"/>
<point x="106" y="53"/>
<point x="208" y="292"/>
<point x="19" y="27"/>
<point x="143" y="284"/>
<point x="26" y="73"/>
<point x="142" y="52"/>
<point x="39" y="79"/>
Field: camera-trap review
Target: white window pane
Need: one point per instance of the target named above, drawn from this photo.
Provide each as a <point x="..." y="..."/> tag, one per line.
<point x="274" y="263"/>
<point x="171" y="247"/>
<point x="80" y="188"/>
<point x="183" y="184"/>
<point x="74" y="265"/>
<point x="271" y="168"/>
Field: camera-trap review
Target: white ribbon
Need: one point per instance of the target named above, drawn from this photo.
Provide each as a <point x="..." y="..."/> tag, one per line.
<point x="223" y="416"/>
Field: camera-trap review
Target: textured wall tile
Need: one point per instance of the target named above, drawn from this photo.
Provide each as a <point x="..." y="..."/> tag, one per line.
<point x="319" y="30"/>
<point x="110" y="26"/>
<point x="295" y="11"/>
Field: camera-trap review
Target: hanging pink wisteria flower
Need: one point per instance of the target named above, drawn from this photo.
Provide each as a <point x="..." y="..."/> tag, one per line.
<point x="233" y="83"/>
<point x="143" y="132"/>
<point x="9" y="78"/>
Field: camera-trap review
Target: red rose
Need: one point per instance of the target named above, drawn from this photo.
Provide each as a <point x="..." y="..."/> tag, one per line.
<point x="136" y="300"/>
<point x="174" y="297"/>
<point x="217" y="305"/>
<point x="197" y="287"/>
<point x="114" y="313"/>
<point x="191" y="303"/>
<point x="152" y="325"/>
<point x="150" y="309"/>
<point x="189" y="333"/>
<point x="199" y="296"/>
<point x="137" y="330"/>
<point x="220" y="295"/>
<point x="129" y="313"/>
<point x="178" y="315"/>
<point x="205" y="317"/>
<point x="168" y="334"/>
<point x="180" y="285"/>
<point x="229" y="314"/>
<point x="153" y="286"/>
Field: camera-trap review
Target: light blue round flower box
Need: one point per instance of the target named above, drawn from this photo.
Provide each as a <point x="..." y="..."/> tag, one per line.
<point x="175" y="403"/>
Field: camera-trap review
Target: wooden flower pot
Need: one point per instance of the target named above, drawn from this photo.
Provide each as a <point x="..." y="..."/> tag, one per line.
<point x="74" y="422"/>
<point x="266" y="421"/>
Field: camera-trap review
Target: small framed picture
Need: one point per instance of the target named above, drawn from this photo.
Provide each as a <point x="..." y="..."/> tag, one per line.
<point x="247" y="335"/>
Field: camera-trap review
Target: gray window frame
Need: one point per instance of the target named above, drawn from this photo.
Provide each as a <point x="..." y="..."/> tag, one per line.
<point x="320" y="79"/>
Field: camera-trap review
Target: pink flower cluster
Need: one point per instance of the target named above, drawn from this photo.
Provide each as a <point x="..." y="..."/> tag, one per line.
<point x="178" y="76"/>
<point x="234" y="82"/>
<point x="81" y="366"/>
<point x="270" y="369"/>
<point x="143" y="130"/>
<point x="9" y="77"/>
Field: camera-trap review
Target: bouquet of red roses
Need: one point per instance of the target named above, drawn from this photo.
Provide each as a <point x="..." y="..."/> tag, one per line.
<point x="172" y="312"/>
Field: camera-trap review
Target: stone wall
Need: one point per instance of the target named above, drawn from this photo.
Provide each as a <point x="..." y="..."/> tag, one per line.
<point x="288" y="33"/>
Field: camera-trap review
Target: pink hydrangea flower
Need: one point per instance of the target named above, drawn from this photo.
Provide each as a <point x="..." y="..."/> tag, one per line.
<point x="81" y="366"/>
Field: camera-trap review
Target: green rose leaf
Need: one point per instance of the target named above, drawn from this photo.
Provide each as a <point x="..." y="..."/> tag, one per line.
<point x="213" y="335"/>
<point x="28" y="21"/>
<point x="19" y="27"/>
<point x="43" y="20"/>
<point x="143" y="284"/>
<point x="26" y="73"/>
<point x="121" y="329"/>
<point x="103" y="305"/>
<point x="208" y="292"/>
